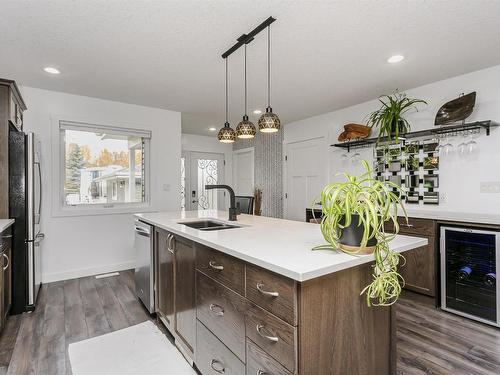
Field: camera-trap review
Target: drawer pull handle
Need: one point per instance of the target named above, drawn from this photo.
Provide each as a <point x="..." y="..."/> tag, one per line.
<point x="260" y="372"/>
<point x="267" y="337"/>
<point x="215" y="266"/>
<point x="265" y="292"/>
<point x="407" y="225"/>
<point x="221" y="369"/>
<point x="216" y="309"/>
<point x="8" y="261"/>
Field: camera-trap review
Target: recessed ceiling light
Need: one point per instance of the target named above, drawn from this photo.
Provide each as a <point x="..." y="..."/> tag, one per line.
<point x="212" y="129"/>
<point x="395" y="59"/>
<point x="51" y="70"/>
<point x="257" y="112"/>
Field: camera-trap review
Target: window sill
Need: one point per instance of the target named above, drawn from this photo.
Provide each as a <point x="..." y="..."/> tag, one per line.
<point x="91" y="211"/>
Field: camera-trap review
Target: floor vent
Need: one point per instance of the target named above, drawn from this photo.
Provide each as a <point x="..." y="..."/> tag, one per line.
<point x="107" y="275"/>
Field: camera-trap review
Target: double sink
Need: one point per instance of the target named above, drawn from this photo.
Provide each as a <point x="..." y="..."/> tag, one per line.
<point x="208" y="225"/>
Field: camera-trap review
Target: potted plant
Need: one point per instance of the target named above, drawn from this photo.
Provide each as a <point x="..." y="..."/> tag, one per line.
<point x="354" y="213"/>
<point x="389" y="119"/>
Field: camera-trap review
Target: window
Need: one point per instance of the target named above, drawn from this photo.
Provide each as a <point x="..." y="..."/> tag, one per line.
<point x="103" y="166"/>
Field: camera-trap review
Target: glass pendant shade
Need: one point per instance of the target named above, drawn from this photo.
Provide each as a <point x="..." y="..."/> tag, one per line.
<point x="269" y="122"/>
<point x="227" y="134"/>
<point x="245" y="129"/>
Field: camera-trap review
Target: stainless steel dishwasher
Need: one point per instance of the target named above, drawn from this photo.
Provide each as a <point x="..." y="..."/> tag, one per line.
<point x="144" y="270"/>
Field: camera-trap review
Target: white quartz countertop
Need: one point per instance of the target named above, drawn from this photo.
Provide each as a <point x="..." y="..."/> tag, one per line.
<point x="437" y="213"/>
<point x="5" y="223"/>
<point x="459" y="216"/>
<point x="281" y="246"/>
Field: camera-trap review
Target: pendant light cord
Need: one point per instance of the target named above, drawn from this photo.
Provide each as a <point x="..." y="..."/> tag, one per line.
<point x="269" y="66"/>
<point x="226" y="93"/>
<point x="245" y="79"/>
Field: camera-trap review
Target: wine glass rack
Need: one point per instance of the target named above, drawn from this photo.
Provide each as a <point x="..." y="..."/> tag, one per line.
<point x="451" y="129"/>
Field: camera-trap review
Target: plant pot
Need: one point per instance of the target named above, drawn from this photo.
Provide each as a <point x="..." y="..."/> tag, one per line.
<point x="351" y="236"/>
<point x="397" y="127"/>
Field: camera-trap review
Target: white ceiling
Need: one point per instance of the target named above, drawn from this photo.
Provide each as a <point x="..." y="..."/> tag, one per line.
<point x="326" y="54"/>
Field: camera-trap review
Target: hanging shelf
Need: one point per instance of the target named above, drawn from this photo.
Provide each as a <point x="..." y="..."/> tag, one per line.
<point x="486" y="125"/>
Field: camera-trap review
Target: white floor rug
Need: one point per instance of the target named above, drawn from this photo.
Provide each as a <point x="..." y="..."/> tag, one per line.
<point x="138" y="350"/>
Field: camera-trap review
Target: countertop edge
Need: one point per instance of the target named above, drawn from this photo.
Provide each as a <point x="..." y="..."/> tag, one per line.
<point x="5" y="224"/>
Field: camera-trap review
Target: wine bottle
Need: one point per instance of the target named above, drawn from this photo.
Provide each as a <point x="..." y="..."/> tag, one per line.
<point x="490" y="279"/>
<point x="464" y="272"/>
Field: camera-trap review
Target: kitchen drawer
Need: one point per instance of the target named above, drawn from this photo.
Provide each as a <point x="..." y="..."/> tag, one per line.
<point x="415" y="226"/>
<point x="275" y="293"/>
<point x="221" y="267"/>
<point x="260" y="363"/>
<point x="273" y="335"/>
<point x="212" y="357"/>
<point x="223" y="312"/>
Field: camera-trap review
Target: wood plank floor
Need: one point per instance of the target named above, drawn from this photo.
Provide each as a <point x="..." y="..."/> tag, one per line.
<point x="429" y="341"/>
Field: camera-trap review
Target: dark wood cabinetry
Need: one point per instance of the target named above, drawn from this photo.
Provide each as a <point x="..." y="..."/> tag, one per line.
<point x="5" y="275"/>
<point x="184" y="293"/>
<point x="279" y="326"/>
<point x="11" y="115"/>
<point x="165" y="279"/>
<point x="419" y="271"/>
<point x="175" y="288"/>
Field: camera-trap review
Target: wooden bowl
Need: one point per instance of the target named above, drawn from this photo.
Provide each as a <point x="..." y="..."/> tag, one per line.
<point x="357" y="128"/>
<point x="350" y="135"/>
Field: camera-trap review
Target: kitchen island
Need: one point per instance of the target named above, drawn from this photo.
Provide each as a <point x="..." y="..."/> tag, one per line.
<point x="257" y="300"/>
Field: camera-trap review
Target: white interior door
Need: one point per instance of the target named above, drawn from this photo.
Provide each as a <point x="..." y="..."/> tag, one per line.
<point x="243" y="171"/>
<point x="205" y="169"/>
<point x="306" y="171"/>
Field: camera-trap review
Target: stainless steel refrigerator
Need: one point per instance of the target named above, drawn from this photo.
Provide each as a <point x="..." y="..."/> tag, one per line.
<point x="25" y="197"/>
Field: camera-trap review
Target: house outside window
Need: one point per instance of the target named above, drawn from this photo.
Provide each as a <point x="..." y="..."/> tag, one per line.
<point x="103" y="166"/>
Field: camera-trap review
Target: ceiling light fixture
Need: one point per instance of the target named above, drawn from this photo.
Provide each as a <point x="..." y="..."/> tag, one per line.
<point x="395" y="59"/>
<point x="257" y="112"/>
<point x="246" y="128"/>
<point x="269" y="122"/>
<point x="51" y="70"/>
<point x="212" y="129"/>
<point x="226" y="134"/>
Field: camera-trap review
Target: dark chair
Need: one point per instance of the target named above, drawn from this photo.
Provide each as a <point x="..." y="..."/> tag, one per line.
<point x="244" y="204"/>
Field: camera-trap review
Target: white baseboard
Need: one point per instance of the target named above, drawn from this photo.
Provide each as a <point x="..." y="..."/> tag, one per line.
<point x="83" y="272"/>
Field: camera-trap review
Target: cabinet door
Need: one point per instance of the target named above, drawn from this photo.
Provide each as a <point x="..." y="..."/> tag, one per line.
<point x="2" y="294"/>
<point x="7" y="277"/>
<point x="420" y="269"/>
<point x="165" y="278"/>
<point x="185" y="313"/>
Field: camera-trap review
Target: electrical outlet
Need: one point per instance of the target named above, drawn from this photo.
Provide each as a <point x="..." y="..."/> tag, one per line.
<point x="166" y="187"/>
<point x="489" y="187"/>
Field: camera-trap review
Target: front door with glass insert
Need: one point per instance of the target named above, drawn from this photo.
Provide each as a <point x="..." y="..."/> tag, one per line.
<point x="205" y="169"/>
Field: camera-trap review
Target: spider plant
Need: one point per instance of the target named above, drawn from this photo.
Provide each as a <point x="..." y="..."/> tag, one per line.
<point x="389" y="119"/>
<point x="366" y="203"/>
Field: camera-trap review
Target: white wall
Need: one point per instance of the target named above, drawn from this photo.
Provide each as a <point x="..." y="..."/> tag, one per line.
<point x="86" y="245"/>
<point x="460" y="177"/>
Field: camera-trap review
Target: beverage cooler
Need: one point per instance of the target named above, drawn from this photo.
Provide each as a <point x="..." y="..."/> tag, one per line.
<point x="469" y="264"/>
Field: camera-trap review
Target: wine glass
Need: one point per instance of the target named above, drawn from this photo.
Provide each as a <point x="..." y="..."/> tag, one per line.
<point x="462" y="147"/>
<point x="472" y="144"/>
<point x="355" y="157"/>
<point x="447" y="147"/>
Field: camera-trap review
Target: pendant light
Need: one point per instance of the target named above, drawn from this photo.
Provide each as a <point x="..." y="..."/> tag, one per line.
<point x="245" y="129"/>
<point x="269" y="122"/>
<point x="227" y="134"/>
